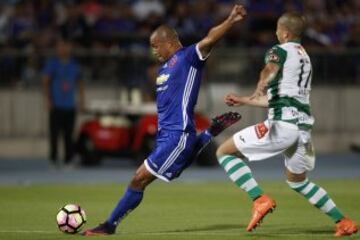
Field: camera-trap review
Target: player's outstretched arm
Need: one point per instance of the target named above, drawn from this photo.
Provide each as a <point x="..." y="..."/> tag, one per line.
<point x="258" y="98"/>
<point x="255" y="101"/>
<point x="216" y="33"/>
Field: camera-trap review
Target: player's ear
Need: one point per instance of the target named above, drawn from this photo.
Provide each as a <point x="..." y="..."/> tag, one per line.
<point x="288" y="34"/>
<point x="170" y="44"/>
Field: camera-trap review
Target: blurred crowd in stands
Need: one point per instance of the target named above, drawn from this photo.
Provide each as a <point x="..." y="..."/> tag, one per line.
<point x="126" y="24"/>
<point x="111" y="36"/>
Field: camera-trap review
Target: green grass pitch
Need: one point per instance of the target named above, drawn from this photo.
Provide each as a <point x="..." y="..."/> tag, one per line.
<point x="175" y="211"/>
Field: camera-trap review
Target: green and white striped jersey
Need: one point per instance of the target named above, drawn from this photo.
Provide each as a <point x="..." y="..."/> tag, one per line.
<point x="289" y="92"/>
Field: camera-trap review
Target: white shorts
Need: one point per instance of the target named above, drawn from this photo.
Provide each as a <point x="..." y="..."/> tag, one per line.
<point x="270" y="138"/>
<point x="301" y="157"/>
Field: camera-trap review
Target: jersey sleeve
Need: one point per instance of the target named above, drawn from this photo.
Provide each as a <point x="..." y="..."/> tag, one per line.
<point x="276" y="55"/>
<point x="193" y="55"/>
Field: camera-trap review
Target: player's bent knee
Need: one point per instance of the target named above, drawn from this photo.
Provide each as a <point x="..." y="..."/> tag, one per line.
<point x="141" y="179"/>
<point x="220" y="152"/>
<point x="138" y="183"/>
<point x="227" y="148"/>
<point x="295" y="177"/>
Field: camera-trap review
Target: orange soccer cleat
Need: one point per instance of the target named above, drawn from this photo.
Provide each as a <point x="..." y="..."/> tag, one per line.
<point x="345" y="227"/>
<point x="262" y="206"/>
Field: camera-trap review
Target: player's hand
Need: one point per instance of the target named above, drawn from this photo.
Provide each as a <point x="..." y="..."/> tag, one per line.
<point x="233" y="100"/>
<point x="237" y="13"/>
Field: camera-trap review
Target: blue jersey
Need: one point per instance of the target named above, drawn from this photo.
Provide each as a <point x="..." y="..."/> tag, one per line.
<point x="177" y="90"/>
<point x="63" y="80"/>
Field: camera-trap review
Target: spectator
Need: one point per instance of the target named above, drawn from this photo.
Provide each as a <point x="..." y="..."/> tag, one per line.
<point x="114" y="22"/>
<point x="204" y="17"/>
<point x="6" y="12"/>
<point x="263" y="15"/>
<point x="22" y="25"/>
<point x="61" y="79"/>
<point x="107" y="23"/>
<point x="144" y="8"/>
<point x="181" y="21"/>
<point x="75" y="26"/>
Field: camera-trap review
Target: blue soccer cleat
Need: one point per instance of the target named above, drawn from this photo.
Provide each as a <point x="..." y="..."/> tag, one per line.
<point x="102" y="230"/>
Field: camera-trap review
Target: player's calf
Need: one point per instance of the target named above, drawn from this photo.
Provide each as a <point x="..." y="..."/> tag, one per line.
<point x="318" y="197"/>
<point x="241" y="175"/>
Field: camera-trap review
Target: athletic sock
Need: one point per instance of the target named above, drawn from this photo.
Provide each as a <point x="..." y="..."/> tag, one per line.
<point x="241" y="175"/>
<point x="202" y="140"/>
<point x="128" y="202"/>
<point x="318" y="197"/>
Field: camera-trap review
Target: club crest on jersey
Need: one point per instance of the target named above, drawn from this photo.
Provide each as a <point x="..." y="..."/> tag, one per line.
<point x="301" y="50"/>
<point x="273" y="57"/>
<point x="261" y="130"/>
<point x="162" y="78"/>
<point x="172" y="61"/>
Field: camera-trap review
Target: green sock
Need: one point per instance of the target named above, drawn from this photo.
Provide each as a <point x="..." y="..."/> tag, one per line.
<point x="318" y="197"/>
<point x="241" y="175"/>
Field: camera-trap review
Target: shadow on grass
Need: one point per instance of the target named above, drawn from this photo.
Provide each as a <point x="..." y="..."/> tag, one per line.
<point x="288" y="231"/>
<point x="263" y="233"/>
<point x="209" y="228"/>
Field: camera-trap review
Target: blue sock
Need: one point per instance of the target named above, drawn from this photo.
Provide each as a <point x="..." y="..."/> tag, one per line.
<point x="128" y="202"/>
<point x="202" y="140"/>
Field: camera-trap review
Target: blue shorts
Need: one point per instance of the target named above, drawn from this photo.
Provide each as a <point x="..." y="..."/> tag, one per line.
<point x="172" y="154"/>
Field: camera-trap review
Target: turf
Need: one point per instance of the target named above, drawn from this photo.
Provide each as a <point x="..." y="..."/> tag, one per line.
<point x="174" y="211"/>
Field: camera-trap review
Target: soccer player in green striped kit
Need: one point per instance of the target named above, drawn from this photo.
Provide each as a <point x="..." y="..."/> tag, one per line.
<point x="284" y="88"/>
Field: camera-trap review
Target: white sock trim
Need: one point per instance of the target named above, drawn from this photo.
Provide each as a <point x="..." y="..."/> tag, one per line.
<point x="295" y="185"/>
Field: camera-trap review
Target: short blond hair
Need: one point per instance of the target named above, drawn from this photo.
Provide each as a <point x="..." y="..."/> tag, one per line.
<point x="294" y="22"/>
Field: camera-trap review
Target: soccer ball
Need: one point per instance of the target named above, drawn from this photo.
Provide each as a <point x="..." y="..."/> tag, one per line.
<point x="71" y="218"/>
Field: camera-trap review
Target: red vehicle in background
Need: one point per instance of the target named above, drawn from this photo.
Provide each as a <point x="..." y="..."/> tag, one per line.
<point x="127" y="131"/>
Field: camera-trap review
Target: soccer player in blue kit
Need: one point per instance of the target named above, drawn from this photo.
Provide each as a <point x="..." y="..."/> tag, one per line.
<point x="177" y="91"/>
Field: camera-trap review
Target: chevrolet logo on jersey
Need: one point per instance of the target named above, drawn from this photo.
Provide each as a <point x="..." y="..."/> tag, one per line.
<point x="162" y="78"/>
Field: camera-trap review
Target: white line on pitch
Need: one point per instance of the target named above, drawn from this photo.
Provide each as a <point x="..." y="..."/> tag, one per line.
<point x="26" y="231"/>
